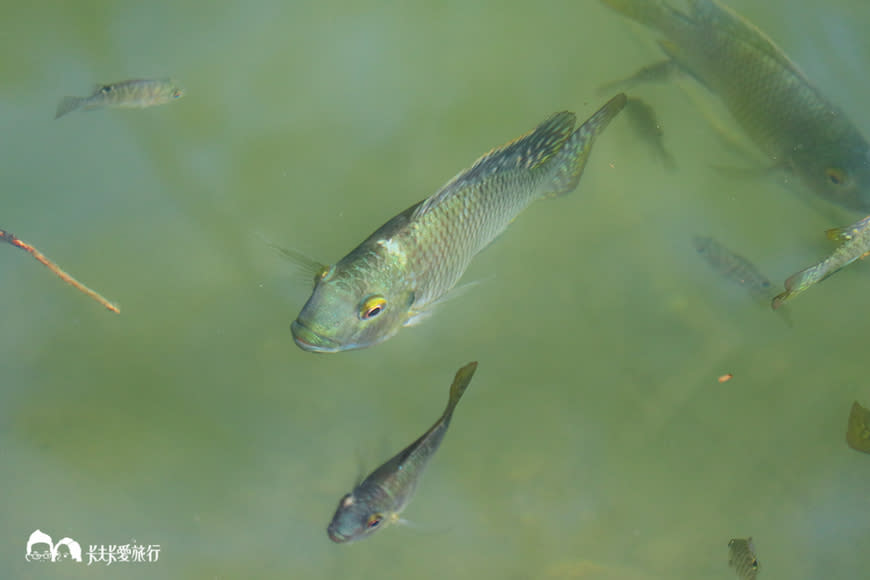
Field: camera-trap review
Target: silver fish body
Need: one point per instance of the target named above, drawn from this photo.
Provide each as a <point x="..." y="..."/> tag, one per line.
<point x="403" y="269"/>
<point x="131" y="94"/>
<point x="767" y="94"/>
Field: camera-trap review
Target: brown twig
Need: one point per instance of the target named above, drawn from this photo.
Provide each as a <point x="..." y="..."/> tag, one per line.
<point x="9" y="237"/>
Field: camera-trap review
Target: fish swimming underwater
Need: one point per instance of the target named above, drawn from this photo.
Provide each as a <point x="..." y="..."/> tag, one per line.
<point x="382" y="496"/>
<point x="769" y="97"/>
<point x="856" y="244"/>
<point x="858" y="431"/>
<point x="741" y="557"/>
<point x="132" y="94"/>
<point x="396" y="276"/>
<point x="648" y="127"/>
<point x="733" y="267"/>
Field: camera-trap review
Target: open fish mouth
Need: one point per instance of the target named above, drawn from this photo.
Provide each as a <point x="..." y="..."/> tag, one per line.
<point x="309" y="340"/>
<point x="335" y="536"/>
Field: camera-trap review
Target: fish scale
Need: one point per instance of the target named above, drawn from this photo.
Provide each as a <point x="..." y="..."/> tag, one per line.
<point x="767" y="94"/>
<point x="410" y="263"/>
<point x="379" y="499"/>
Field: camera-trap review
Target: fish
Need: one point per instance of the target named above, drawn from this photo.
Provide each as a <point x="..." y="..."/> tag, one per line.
<point x="383" y="494"/>
<point x="734" y="267"/>
<point x="407" y="266"/>
<point x="769" y="97"/>
<point x="741" y="557"/>
<point x="647" y="126"/>
<point x="856" y="245"/>
<point x="131" y="94"/>
<point x="858" y="431"/>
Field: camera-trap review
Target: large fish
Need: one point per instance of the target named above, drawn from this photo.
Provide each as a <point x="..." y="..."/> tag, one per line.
<point x="769" y="97"/>
<point x="382" y="496"/>
<point x="402" y="270"/>
<point x="856" y="244"/>
<point x="741" y="557"/>
<point x="132" y="94"/>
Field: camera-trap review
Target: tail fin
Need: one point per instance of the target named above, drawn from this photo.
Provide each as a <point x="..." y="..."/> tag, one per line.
<point x="653" y="13"/>
<point x="567" y="165"/>
<point x="67" y="105"/>
<point x="457" y="389"/>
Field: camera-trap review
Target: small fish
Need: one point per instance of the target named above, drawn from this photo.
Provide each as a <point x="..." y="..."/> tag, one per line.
<point x="858" y="431"/>
<point x="733" y="267"/>
<point x="132" y="94"/>
<point x="647" y="125"/>
<point x="741" y="557"/>
<point x="396" y="276"/>
<point x="767" y="94"/>
<point x="382" y="496"/>
<point x="856" y="245"/>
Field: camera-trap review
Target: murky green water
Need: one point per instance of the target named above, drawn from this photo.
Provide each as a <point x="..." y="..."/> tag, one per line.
<point x="595" y="441"/>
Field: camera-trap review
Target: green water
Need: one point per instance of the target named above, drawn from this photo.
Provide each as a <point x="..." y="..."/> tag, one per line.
<point x="594" y="441"/>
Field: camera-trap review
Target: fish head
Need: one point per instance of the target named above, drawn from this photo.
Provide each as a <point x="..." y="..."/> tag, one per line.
<point x="352" y="306"/>
<point x="354" y="519"/>
<point x="174" y="90"/>
<point x="840" y="174"/>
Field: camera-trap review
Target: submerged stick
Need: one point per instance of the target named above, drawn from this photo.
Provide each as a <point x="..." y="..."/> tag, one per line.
<point x="9" y="237"/>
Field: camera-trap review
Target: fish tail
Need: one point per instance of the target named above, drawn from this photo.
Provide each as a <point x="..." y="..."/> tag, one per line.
<point x="67" y="105"/>
<point x="568" y="164"/>
<point x="653" y="13"/>
<point x="797" y="283"/>
<point x="457" y="389"/>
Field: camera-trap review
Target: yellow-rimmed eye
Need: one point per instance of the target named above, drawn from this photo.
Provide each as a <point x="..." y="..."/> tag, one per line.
<point x="835" y="175"/>
<point x="372" y="306"/>
<point x="374" y="521"/>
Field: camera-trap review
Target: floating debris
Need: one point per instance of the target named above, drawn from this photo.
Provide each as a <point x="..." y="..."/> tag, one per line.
<point x="10" y="238"/>
<point x="858" y="431"/>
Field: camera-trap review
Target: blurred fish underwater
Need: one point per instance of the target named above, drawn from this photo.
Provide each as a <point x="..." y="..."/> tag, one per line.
<point x="858" y="430"/>
<point x="771" y="99"/>
<point x="741" y="557"/>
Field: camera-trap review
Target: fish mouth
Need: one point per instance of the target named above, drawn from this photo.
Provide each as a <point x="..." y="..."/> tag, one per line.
<point x="309" y="340"/>
<point x="335" y="536"/>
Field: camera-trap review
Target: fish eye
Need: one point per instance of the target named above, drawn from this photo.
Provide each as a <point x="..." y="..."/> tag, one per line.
<point x="106" y="89"/>
<point x="835" y="175"/>
<point x="755" y="564"/>
<point x="321" y="274"/>
<point x="372" y="306"/>
<point x="374" y="521"/>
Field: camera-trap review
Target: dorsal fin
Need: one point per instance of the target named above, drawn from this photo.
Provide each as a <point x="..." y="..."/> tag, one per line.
<point x="526" y="152"/>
